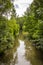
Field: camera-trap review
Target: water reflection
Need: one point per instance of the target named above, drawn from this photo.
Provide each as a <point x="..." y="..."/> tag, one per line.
<point x="21" y="55"/>
<point x="24" y="54"/>
<point x="10" y="56"/>
<point x="8" y="59"/>
<point x="33" y="55"/>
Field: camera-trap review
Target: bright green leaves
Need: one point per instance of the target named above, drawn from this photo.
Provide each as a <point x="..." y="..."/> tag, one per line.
<point x="13" y="26"/>
<point x="8" y="30"/>
<point x="34" y="22"/>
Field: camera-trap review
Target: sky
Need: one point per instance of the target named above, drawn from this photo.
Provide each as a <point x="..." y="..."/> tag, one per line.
<point x="21" y="6"/>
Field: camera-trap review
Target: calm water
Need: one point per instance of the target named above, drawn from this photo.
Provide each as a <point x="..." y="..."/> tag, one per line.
<point x="22" y="54"/>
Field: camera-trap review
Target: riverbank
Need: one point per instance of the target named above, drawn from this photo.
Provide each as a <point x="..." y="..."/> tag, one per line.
<point x="22" y="54"/>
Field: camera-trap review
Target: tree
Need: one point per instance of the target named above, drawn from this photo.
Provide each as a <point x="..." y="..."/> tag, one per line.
<point x="34" y="22"/>
<point x="8" y="28"/>
<point x="6" y="7"/>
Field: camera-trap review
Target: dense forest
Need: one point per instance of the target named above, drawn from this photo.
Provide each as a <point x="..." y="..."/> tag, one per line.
<point x="9" y="29"/>
<point x="31" y="22"/>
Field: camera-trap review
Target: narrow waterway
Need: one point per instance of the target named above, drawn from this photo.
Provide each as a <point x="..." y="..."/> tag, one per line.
<point x="23" y="53"/>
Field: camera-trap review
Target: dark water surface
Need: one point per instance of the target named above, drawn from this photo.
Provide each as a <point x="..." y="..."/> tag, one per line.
<point x="22" y="54"/>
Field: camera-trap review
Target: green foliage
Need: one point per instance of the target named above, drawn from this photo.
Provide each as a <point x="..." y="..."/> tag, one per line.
<point x="7" y="7"/>
<point x="34" y="23"/>
<point x="13" y="26"/>
<point x="20" y="21"/>
<point x="8" y="30"/>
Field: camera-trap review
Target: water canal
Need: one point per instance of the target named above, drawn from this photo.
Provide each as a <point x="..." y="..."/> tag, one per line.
<point x="22" y="54"/>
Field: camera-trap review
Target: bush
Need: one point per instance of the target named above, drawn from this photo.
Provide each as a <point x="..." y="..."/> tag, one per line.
<point x="7" y="36"/>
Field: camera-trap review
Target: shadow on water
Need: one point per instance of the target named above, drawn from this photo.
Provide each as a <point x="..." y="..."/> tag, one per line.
<point x="23" y="54"/>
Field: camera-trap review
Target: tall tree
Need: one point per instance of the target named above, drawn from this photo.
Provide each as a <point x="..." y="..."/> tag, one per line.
<point x="6" y="7"/>
<point x="34" y="22"/>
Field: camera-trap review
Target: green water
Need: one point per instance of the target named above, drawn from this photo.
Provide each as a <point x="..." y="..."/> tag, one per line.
<point x="23" y="53"/>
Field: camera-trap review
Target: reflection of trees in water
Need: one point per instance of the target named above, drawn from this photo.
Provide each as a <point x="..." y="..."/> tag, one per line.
<point x="33" y="55"/>
<point x="10" y="57"/>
